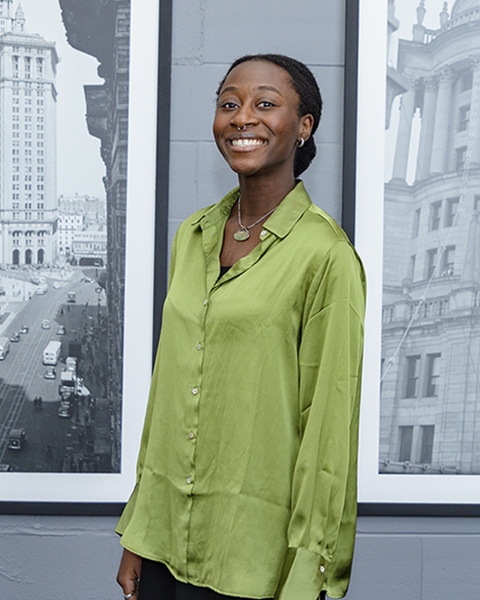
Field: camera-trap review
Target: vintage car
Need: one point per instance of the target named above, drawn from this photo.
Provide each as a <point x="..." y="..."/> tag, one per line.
<point x="65" y="409"/>
<point x="15" y="337"/>
<point x="50" y="373"/>
<point x="16" y="439"/>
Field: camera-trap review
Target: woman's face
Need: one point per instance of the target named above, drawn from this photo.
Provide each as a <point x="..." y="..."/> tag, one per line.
<point x="256" y="125"/>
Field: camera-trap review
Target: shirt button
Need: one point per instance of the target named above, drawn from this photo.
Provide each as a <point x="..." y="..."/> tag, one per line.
<point x="189" y="480"/>
<point x="264" y="233"/>
<point x="194" y="391"/>
<point x="191" y="435"/>
<point x="205" y="302"/>
<point x="322" y="569"/>
<point x="199" y="346"/>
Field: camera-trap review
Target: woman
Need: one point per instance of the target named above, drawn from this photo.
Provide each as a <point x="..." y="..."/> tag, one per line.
<point x="246" y="482"/>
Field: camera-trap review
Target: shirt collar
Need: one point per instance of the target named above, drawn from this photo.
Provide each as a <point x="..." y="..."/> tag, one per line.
<point x="280" y="223"/>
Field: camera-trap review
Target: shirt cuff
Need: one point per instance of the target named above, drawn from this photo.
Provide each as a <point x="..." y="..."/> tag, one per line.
<point x="303" y="575"/>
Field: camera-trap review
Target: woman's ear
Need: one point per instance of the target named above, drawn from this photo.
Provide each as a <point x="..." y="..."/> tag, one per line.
<point x="306" y="126"/>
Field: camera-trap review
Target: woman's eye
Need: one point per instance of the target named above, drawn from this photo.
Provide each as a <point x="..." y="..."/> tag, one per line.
<point x="229" y="105"/>
<point x="266" y="104"/>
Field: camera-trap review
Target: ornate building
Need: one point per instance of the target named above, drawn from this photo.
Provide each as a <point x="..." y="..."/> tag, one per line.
<point x="430" y="398"/>
<point x="28" y="202"/>
<point x="101" y="28"/>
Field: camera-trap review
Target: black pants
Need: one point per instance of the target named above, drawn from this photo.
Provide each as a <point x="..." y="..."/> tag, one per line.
<point x="157" y="583"/>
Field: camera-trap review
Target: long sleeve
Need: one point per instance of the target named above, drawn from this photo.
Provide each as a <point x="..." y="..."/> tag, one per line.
<point x="130" y="506"/>
<point x="321" y="532"/>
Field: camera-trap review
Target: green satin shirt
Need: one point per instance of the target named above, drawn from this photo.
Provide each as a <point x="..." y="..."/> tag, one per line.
<point x="247" y="469"/>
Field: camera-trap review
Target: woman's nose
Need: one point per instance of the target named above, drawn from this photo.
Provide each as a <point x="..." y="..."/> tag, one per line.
<point x="244" y="117"/>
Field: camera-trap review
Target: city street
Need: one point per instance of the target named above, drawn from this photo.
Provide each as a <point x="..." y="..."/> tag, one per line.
<point x="53" y="443"/>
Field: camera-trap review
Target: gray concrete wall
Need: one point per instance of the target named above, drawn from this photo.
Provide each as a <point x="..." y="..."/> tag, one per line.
<point x="76" y="558"/>
<point x="208" y="35"/>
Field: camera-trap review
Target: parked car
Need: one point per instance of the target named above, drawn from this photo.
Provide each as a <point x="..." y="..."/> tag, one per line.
<point x="64" y="409"/>
<point x="24" y="329"/>
<point x="57" y="285"/>
<point x="50" y="373"/>
<point x="15" y="337"/>
<point x="16" y="439"/>
<point x="61" y="330"/>
<point x="46" y="324"/>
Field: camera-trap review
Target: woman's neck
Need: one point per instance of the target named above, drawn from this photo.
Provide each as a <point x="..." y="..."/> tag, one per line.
<point x="260" y="196"/>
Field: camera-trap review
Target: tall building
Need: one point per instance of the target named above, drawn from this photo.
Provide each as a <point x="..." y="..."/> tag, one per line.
<point x="28" y="199"/>
<point x="102" y="29"/>
<point x="430" y="398"/>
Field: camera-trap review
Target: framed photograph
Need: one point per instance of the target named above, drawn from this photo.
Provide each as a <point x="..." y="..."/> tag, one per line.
<point x="78" y="185"/>
<point x="417" y="229"/>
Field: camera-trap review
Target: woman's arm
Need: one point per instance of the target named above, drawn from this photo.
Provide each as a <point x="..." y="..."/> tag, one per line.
<point x="323" y="514"/>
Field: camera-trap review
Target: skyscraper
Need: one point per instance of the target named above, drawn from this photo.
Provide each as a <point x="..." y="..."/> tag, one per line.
<point x="28" y="196"/>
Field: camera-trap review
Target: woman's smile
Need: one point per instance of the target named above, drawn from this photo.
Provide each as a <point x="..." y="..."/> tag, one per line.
<point x="245" y="143"/>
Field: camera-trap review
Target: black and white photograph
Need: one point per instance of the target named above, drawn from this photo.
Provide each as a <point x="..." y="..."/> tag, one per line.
<point x="64" y="106"/>
<point x="429" y="373"/>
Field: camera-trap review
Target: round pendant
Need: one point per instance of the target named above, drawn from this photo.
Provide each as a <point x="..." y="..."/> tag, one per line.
<point x="241" y="235"/>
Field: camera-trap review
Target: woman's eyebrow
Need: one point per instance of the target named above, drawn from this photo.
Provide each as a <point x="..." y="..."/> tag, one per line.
<point x="232" y="88"/>
<point x="270" y="88"/>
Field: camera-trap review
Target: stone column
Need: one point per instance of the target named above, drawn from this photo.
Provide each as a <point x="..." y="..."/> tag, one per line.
<point x="426" y="131"/>
<point x="403" y="136"/>
<point x="474" y="123"/>
<point x="446" y="78"/>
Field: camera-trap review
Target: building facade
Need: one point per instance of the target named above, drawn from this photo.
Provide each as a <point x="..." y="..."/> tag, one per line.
<point x="430" y="391"/>
<point x="28" y="198"/>
<point x="76" y="213"/>
<point x="89" y="246"/>
<point x="102" y="29"/>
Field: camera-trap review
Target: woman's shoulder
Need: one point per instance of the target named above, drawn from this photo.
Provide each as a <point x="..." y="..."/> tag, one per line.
<point x="322" y="237"/>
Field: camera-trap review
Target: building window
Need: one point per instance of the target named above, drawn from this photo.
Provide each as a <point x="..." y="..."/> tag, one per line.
<point x="431" y="262"/>
<point x="413" y="369"/>
<point x="461" y="155"/>
<point x="433" y="374"/>
<point x="426" y="452"/>
<point x="411" y="267"/>
<point x="463" y="117"/>
<point x="448" y="261"/>
<point x="435" y="208"/>
<point x="406" y="438"/>
<point x="451" y="211"/>
<point x="476" y="203"/>
<point x="466" y="82"/>
<point x="416" y="222"/>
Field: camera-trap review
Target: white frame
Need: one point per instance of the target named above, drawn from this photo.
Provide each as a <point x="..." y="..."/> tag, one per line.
<point x="138" y="330"/>
<point x="375" y="488"/>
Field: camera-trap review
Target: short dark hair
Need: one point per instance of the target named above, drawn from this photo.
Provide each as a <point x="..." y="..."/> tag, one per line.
<point x="305" y="84"/>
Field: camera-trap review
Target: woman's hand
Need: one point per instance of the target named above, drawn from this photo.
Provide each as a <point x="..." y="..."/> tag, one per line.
<point x="128" y="574"/>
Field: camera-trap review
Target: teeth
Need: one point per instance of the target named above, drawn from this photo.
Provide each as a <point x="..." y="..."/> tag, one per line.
<point x="244" y="143"/>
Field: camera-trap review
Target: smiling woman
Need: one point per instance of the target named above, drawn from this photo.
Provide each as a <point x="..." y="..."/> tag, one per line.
<point x="246" y="481"/>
